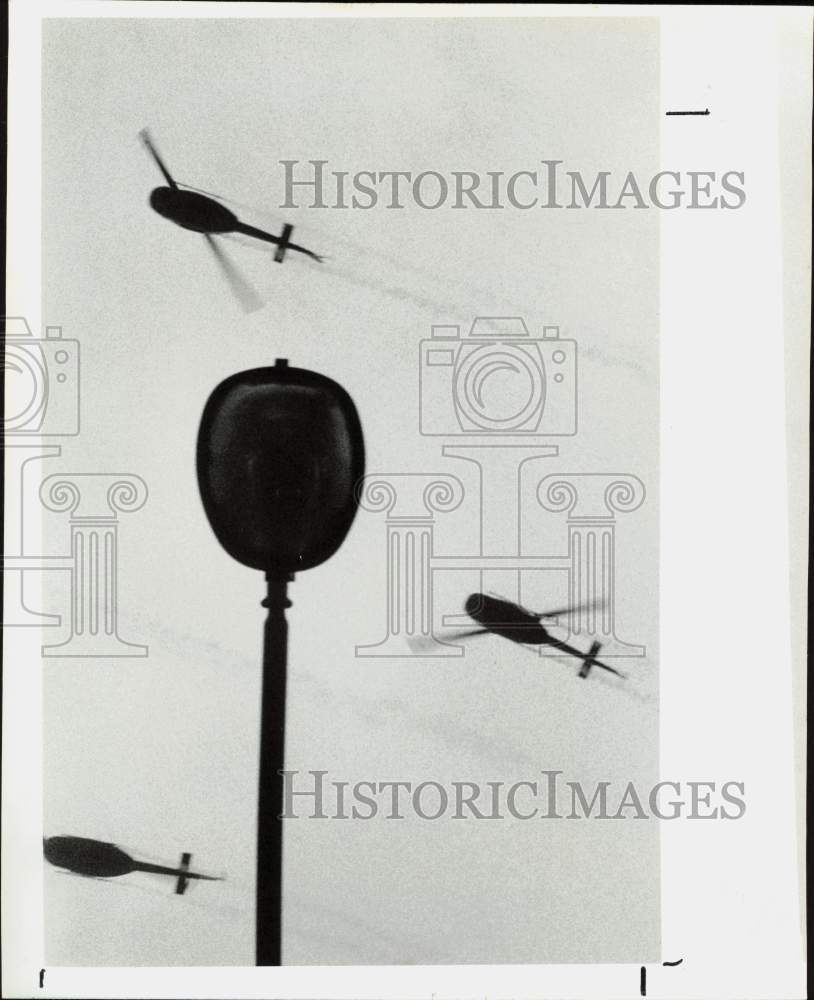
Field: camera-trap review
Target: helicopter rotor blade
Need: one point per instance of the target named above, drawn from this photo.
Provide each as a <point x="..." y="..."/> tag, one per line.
<point x="587" y="606"/>
<point x="421" y="643"/>
<point x="209" y="194"/>
<point x="466" y="633"/>
<point x="144" y="135"/>
<point x="539" y="615"/>
<point x="245" y="294"/>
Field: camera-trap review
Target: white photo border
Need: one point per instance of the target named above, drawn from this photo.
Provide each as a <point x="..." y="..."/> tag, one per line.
<point x="734" y="309"/>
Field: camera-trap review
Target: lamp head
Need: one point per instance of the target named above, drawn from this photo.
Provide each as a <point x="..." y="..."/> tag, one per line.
<point x="280" y="451"/>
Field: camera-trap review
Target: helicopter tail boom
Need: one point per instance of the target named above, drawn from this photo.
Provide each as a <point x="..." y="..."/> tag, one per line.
<point x="282" y="242"/>
<point x="182" y="873"/>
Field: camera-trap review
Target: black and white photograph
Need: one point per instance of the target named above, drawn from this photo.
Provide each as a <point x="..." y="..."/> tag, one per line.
<point x="406" y="476"/>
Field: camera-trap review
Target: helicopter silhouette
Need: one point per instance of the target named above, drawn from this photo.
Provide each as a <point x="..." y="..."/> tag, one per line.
<point x="196" y="211"/>
<point x="497" y="616"/>
<point x="97" y="859"/>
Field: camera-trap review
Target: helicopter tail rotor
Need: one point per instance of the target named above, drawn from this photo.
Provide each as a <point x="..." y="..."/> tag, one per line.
<point x="590" y="660"/>
<point x="181" y="884"/>
<point x="285" y="239"/>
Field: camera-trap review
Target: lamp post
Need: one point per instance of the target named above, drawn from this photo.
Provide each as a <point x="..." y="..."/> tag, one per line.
<point x="280" y="451"/>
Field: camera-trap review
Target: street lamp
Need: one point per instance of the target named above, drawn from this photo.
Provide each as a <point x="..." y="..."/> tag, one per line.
<point x="280" y="451"/>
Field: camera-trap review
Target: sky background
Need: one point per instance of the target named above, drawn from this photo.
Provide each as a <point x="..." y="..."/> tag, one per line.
<point x="159" y="754"/>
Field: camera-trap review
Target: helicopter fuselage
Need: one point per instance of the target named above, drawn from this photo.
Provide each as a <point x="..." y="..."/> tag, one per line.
<point x="514" y="623"/>
<point x="88" y="857"/>
<point x="192" y="210"/>
<point x="506" y="619"/>
<point x="97" y="859"/>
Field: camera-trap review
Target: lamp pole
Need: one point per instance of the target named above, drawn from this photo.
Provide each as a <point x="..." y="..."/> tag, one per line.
<point x="272" y="761"/>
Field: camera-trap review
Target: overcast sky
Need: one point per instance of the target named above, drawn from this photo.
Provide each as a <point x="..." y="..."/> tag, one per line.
<point x="159" y="754"/>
